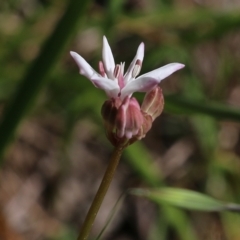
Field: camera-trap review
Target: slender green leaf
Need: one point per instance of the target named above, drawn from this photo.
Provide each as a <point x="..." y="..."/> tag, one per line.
<point x="139" y="158"/>
<point x="33" y="82"/>
<point x="181" y="105"/>
<point x="193" y="26"/>
<point x="111" y="215"/>
<point x="186" y="199"/>
<point x="142" y="163"/>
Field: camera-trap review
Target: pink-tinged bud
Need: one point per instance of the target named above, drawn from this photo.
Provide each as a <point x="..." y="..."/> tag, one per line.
<point x="129" y="118"/>
<point x="124" y="121"/>
<point x="109" y="112"/>
<point x="153" y="103"/>
<point x="147" y="124"/>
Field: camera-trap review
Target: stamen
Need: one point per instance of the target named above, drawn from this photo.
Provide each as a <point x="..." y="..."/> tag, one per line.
<point x="137" y="68"/>
<point x="117" y="71"/>
<point x="101" y="69"/>
<point x="122" y="67"/>
<point x="118" y="74"/>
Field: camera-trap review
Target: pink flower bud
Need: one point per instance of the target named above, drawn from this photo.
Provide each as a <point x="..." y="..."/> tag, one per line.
<point x="129" y="118"/>
<point x="109" y="112"/>
<point x="124" y="121"/>
<point x="153" y="103"/>
<point x="147" y="124"/>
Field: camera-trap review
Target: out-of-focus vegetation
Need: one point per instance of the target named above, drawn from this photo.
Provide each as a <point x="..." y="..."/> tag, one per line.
<point x="52" y="167"/>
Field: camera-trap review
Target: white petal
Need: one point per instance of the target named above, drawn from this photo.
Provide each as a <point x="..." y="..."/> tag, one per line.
<point x="109" y="86"/>
<point x="107" y="58"/>
<point x="139" y="55"/>
<point x="163" y="72"/>
<point x="143" y="84"/>
<point x="84" y="68"/>
<point x="146" y="82"/>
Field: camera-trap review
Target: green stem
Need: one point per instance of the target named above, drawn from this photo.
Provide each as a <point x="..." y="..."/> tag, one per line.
<point x="102" y="190"/>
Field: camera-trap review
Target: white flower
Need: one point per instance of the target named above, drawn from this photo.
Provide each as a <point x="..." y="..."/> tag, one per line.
<point x="111" y="77"/>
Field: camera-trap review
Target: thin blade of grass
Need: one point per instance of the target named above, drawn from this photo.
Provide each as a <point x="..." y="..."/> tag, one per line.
<point x="34" y="81"/>
<point x="186" y="199"/>
<point x="181" y="105"/>
<point x="111" y="215"/>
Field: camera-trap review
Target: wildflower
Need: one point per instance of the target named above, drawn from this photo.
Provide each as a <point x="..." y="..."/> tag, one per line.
<point x="125" y="121"/>
<point x="111" y="77"/>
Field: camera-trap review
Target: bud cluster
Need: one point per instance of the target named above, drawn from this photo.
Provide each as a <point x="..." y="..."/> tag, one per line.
<point x="126" y="122"/>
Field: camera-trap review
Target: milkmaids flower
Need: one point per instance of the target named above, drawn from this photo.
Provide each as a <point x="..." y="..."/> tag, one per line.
<point x="111" y="77"/>
<point x="124" y="120"/>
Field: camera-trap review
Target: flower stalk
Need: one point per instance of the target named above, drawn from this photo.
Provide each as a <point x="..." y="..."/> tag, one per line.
<point x="102" y="190"/>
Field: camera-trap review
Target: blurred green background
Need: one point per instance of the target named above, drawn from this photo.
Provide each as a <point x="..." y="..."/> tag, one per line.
<point x="52" y="142"/>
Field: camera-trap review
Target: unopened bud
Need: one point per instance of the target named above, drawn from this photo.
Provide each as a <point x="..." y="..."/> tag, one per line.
<point x="124" y="121"/>
<point x="153" y="103"/>
<point x="147" y="124"/>
<point x="109" y="110"/>
<point x="109" y="113"/>
<point x="129" y="118"/>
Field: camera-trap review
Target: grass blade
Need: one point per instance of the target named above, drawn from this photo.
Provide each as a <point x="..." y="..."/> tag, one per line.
<point x="186" y="199"/>
<point x="34" y="80"/>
